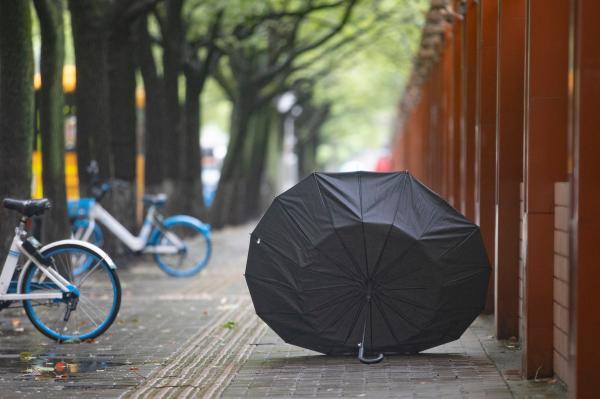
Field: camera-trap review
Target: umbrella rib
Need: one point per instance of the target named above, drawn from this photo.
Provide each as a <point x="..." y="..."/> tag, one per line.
<point x="399" y="258"/>
<point x="324" y="288"/>
<point x="416" y="305"/>
<point x="345" y="276"/>
<point x="410" y="323"/>
<point x="464" y="278"/>
<point x="354" y="322"/>
<point x="387" y="236"/>
<point x="404" y="288"/>
<point x="271" y="281"/>
<point x="458" y="244"/>
<point x="356" y="266"/>
<point x="285" y="210"/>
<point x="401" y="277"/>
<point x="387" y="323"/>
<point x="333" y="301"/>
<point x="362" y="222"/>
<point x="433" y="217"/>
<point x="339" y="317"/>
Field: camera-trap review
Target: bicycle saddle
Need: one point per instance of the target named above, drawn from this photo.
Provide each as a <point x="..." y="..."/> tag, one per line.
<point x="157" y="200"/>
<point x="28" y="207"/>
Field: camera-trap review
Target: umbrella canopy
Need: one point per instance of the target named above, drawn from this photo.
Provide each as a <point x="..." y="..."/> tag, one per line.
<point x="344" y="261"/>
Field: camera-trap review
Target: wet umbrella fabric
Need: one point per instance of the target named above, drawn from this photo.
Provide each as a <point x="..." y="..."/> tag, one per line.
<point x="377" y="259"/>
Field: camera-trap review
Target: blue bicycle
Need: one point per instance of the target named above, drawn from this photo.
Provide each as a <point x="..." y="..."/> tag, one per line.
<point x="181" y="244"/>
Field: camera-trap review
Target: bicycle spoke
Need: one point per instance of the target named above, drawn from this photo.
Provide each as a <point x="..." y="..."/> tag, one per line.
<point x="89" y="317"/>
<point x="98" y="293"/>
<point x="91" y="306"/>
<point x="89" y="273"/>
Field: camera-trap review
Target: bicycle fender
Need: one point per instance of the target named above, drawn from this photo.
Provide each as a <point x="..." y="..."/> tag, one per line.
<point x="205" y="228"/>
<point x="92" y="247"/>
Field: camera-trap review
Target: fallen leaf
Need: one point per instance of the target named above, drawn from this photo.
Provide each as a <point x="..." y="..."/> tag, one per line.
<point x="60" y="367"/>
<point x="134" y="368"/>
<point x="26" y="355"/>
<point x="229" y="325"/>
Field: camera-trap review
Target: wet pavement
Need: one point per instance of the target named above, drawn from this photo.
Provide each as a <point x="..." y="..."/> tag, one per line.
<point x="159" y="316"/>
<point x="199" y="337"/>
<point x="476" y="366"/>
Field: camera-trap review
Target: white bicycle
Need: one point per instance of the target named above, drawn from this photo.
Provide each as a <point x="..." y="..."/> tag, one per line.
<point x="60" y="305"/>
<point x="181" y="244"/>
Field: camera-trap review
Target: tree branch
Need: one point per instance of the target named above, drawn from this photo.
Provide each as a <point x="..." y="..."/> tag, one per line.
<point x="225" y="84"/>
<point x="269" y="74"/>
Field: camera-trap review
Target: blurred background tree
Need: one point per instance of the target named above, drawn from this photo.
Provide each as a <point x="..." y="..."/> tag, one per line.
<point x="16" y="109"/>
<point x="190" y="96"/>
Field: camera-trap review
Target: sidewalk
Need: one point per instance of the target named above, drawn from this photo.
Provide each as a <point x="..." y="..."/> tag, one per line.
<point x="199" y="337"/>
<point x="476" y="366"/>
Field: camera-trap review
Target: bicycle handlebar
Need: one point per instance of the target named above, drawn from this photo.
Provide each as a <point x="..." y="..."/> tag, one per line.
<point x="98" y="190"/>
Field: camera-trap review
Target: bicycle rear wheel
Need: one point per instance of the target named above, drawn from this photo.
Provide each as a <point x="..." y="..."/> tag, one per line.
<point x="190" y="259"/>
<point x="89" y="312"/>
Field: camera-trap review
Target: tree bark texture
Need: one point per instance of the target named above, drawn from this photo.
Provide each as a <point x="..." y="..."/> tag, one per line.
<point x="121" y="78"/>
<point x="263" y="130"/>
<point x="172" y="64"/>
<point x="154" y="111"/>
<point x="188" y="196"/>
<point x="55" y="225"/>
<point x="229" y="190"/>
<point x="90" y="38"/>
<point x="16" y="109"/>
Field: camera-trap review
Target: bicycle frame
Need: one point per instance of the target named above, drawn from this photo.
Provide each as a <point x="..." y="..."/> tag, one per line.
<point x="137" y="243"/>
<point x="10" y="265"/>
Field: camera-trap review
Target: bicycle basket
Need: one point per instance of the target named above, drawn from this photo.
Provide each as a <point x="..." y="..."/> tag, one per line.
<point x="79" y="208"/>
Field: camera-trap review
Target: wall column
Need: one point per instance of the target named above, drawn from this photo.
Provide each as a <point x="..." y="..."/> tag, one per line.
<point x="545" y="163"/>
<point x="470" y="86"/>
<point x="457" y="109"/>
<point x="509" y="163"/>
<point x="485" y="169"/>
<point x="584" y="348"/>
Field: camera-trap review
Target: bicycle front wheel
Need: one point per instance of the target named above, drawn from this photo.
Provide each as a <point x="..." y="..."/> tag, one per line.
<point x="194" y="254"/>
<point x="89" y="312"/>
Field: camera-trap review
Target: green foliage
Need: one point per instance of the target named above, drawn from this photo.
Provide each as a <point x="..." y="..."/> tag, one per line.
<point x="361" y="71"/>
<point x="364" y="87"/>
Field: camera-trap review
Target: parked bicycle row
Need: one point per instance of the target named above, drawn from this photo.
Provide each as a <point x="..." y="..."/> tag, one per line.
<point x="69" y="289"/>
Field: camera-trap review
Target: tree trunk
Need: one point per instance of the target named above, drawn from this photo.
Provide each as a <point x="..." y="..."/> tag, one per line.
<point x="92" y="96"/>
<point x="172" y="64"/>
<point x="262" y="132"/>
<point x="122" y="124"/>
<point x="55" y="226"/>
<point x="228" y="192"/>
<point x="188" y="196"/>
<point x="309" y="130"/>
<point x="155" y="131"/>
<point x="16" y="109"/>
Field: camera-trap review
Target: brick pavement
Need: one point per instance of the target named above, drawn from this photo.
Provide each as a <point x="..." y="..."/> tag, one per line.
<point x="158" y="316"/>
<point x="170" y="341"/>
<point x="476" y="366"/>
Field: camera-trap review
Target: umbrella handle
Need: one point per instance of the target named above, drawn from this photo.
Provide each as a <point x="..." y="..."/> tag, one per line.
<point x="363" y="359"/>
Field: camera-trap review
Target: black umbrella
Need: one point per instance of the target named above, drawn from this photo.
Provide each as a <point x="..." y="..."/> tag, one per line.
<point x="347" y="260"/>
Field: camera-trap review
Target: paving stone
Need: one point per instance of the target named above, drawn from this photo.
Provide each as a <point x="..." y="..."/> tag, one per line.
<point x="169" y="342"/>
